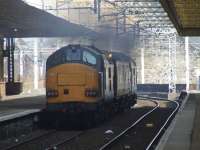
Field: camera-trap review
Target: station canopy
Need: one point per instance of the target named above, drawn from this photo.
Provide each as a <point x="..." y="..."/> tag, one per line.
<point x="18" y="19"/>
<point x="185" y="15"/>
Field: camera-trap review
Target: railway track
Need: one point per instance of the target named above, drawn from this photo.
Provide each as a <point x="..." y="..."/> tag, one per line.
<point x="150" y="145"/>
<point x="139" y="130"/>
<point x="45" y="140"/>
<point x="98" y="137"/>
<point x="29" y="140"/>
<point x="122" y="140"/>
<point x="61" y="143"/>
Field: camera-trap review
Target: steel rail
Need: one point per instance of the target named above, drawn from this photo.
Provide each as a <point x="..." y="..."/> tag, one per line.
<point x="55" y="146"/>
<point x="105" y="146"/>
<point x="164" y="125"/>
<point x="30" y="140"/>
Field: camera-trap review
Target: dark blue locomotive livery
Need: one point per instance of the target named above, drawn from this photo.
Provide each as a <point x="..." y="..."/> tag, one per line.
<point x="83" y="80"/>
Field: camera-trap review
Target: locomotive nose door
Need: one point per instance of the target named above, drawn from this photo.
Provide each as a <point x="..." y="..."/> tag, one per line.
<point x="71" y="83"/>
<point x="77" y="82"/>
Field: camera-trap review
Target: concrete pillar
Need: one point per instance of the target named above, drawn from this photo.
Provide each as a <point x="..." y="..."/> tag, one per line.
<point x="2" y="84"/>
<point x="35" y="59"/>
<point x="124" y="21"/>
<point x="21" y="65"/>
<point x="198" y="82"/>
<point x="142" y="65"/>
<point x="1" y="61"/>
<point x="172" y="64"/>
<point x="142" y="58"/>
<point x="117" y="25"/>
<point x="187" y="62"/>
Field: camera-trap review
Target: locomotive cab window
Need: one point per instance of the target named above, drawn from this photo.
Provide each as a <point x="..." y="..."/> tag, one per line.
<point x="73" y="55"/>
<point x="89" y="58"/>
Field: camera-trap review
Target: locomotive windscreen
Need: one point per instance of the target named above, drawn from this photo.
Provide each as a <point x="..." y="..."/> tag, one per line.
<point x="72" y="55"/>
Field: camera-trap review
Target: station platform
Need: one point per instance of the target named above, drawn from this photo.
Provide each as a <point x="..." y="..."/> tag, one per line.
<point x="12" y="107"/>
<point x="184" y="131"/>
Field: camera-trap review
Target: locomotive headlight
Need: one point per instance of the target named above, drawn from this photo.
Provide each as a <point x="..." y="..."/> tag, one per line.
<point x="110" y="55"/>
<point x="91" y="92"/>
<point x="52" y="93"/>
<point x="48" y="93"/>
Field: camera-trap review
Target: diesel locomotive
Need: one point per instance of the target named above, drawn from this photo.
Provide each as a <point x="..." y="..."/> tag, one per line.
<point x="83" y="80"/>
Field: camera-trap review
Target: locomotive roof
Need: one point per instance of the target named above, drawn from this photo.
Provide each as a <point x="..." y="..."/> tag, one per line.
<point x="120" y="56"/>
<point x="115" y="55"/>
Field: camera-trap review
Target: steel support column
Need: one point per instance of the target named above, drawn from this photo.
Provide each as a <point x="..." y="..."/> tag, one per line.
<point x="99" y="9"/>
<point x="10" y="46"/>
<point x="12" y="87"/>
<point x="95" y="6"/>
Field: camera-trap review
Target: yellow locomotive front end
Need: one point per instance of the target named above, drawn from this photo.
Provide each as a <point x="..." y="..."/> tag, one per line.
<point x="72" y="81"/>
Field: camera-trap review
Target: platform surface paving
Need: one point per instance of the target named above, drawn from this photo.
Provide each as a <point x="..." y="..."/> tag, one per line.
<point x="20" y="106"/>
<point x="182" y="133"/>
